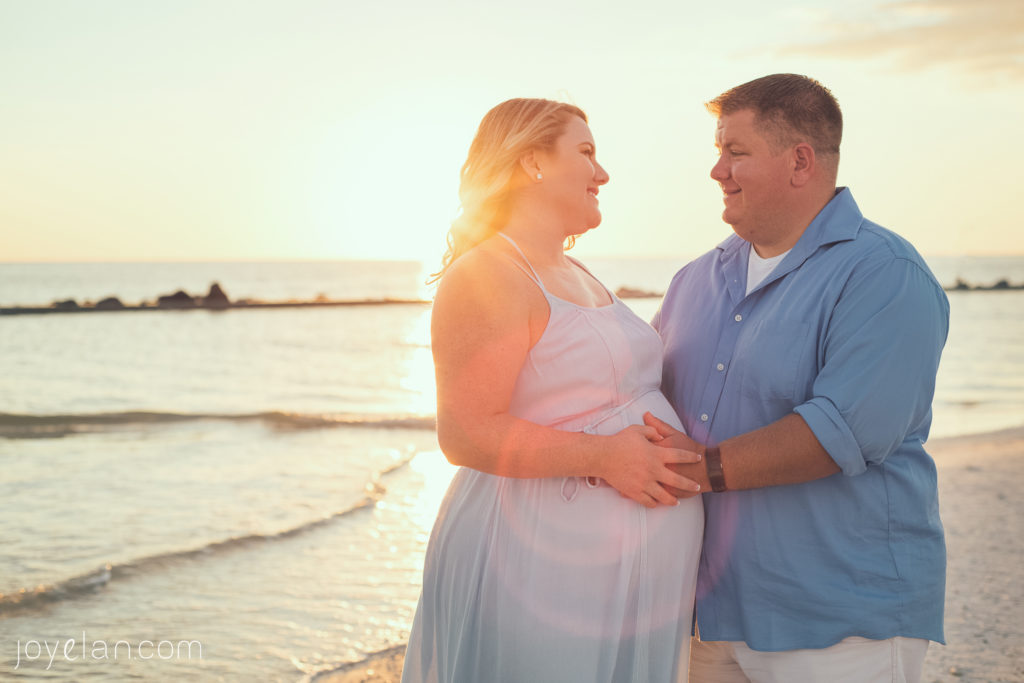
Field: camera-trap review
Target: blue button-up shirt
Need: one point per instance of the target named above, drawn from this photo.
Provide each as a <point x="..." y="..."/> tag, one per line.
<point x="846" y="332"/>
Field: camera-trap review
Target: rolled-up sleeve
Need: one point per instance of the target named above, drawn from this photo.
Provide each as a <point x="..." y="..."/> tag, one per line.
<point x="880" y="354"/>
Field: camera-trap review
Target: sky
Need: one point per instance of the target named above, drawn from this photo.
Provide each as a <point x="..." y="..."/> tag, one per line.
<point x="147" y="130"/>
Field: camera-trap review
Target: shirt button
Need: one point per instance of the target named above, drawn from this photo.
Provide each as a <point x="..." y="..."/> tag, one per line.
<point x="720" y="367"/>
<point x="704" y="417"/>
<point x="738" y="317"/>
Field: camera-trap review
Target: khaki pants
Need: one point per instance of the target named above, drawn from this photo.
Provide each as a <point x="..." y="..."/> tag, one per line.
<point x="853" y="660"/>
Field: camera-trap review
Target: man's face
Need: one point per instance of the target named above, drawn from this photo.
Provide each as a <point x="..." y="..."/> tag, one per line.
<point x="754" y="177"/>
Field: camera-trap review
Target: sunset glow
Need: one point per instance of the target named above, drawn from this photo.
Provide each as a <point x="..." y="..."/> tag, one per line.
<point x="321" y="130"/>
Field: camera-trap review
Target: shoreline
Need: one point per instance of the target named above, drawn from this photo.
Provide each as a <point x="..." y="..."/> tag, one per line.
<point x="980" y="478"/>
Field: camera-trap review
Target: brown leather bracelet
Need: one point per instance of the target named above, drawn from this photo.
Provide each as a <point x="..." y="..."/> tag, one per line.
<point x="713" y="461"/>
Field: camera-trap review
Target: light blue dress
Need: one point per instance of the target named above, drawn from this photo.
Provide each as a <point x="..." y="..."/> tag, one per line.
<point x="563" y="579"/>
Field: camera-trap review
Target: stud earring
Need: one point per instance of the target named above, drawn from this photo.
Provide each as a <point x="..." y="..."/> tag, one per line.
<point x="540" y="176"/>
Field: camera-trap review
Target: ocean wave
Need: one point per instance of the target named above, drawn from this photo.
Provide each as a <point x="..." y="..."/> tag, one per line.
<point x="366" y="662"/>
<point x="15" y="426"/>
<point x="27" y="599"/>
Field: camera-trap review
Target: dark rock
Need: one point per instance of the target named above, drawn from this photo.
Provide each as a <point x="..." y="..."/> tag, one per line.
<point x="111" y="303"/>
<point x="631" y="293"/>
<point x="216" y="297"/>
<point x="67" y="305"/>
<point x="999" y="286"/>
<point x="179" y="299"/>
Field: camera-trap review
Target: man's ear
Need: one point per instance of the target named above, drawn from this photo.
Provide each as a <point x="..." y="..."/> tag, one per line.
<point x="804" y="164"/>
<point x="530" y="163"/>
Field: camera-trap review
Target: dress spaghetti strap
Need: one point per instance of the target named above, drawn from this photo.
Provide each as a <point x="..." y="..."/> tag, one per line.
<point x="532" y="274"/>
<point x="610" y="293"/>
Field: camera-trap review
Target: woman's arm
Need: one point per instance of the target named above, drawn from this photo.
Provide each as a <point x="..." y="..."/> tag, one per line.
<point x="486" y="317"/>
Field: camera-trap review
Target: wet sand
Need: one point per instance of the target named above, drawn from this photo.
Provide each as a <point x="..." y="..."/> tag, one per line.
<point x="981" y="489"/>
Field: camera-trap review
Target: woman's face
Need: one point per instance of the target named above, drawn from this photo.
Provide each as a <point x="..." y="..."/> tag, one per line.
<point x="572" y="176"/>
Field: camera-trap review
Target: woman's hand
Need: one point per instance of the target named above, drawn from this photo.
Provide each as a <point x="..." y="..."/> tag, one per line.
<point x="670" y="437"/>
<point x="639" y="469"/>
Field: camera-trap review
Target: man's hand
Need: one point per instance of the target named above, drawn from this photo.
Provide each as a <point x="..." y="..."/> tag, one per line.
<point x="673" y="438"/>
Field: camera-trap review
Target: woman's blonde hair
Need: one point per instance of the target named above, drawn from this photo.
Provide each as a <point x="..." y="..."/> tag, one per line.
<point x="488" y="180"/>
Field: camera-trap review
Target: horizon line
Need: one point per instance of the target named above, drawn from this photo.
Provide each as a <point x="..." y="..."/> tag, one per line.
<point x="659" y="257"/>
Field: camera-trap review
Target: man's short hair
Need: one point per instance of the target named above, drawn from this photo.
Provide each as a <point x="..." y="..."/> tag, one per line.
<point x="788" y="108"/>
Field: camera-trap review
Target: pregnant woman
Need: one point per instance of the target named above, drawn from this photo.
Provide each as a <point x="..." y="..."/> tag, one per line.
<point x="558" y="554"/>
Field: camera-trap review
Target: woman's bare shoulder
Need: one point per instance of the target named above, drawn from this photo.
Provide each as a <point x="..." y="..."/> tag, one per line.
<point x="485" y="275"/>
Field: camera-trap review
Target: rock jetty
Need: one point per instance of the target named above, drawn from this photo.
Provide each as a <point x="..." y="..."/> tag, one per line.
<point x="1000" y="285"/>
<point x="961" y="285"/>
<point x="215" y="300"/>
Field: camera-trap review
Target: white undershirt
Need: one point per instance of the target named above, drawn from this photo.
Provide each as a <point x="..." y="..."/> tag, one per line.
<point x="759" y="268"/>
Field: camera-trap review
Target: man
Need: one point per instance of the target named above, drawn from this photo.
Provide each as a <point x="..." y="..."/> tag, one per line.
<point x="801" y="353"/>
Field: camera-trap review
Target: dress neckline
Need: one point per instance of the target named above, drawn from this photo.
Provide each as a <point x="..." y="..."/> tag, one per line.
<point x="536" y="278"/>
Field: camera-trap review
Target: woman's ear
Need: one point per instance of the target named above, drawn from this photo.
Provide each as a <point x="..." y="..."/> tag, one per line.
<point x="530" y="163"/>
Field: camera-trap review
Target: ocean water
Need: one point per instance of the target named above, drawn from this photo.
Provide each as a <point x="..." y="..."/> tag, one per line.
<point x="262" y="483"/>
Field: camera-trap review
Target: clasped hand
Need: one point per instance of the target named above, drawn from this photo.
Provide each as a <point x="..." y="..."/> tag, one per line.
<point x="647" y="461"/>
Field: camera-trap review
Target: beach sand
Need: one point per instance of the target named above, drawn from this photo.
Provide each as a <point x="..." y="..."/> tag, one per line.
<point x="981" y="489"/>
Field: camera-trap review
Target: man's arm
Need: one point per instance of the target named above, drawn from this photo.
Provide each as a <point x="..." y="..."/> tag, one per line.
<point x="881" y="350"/>
<point x="784" y="452"/>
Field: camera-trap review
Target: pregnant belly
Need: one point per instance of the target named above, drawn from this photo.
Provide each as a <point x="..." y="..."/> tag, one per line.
<point x="632" y="413"/>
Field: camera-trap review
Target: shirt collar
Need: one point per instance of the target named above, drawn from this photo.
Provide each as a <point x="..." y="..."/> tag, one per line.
<point x="839" y="221"/>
